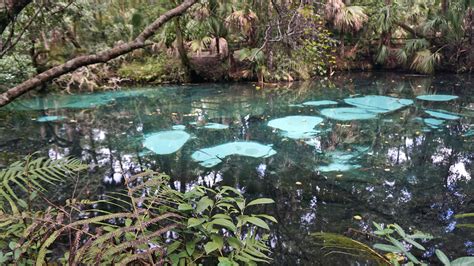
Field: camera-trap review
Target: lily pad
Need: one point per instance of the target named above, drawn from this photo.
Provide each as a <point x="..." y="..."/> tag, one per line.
<point x="297" y="127"/>
<point x="348" y="113"/>
<point x="50" y="118"/>
<point x="320" y="103"/>
<point x="443" y="114"/>
<point x="378" y="104"/>
<point x="210" y="157"/>
<point x="166" y="142"/>
<point x="437" y="97"/>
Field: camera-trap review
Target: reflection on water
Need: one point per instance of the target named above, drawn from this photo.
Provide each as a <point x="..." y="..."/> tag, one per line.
<point x="411" y="166"/>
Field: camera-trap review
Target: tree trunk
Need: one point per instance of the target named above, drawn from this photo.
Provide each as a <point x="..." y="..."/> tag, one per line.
<point x="183" y="54"/>
<point x="101" y="57"/>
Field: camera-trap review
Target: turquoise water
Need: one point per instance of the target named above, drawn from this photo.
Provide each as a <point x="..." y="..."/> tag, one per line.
<point x="325" y="152"/>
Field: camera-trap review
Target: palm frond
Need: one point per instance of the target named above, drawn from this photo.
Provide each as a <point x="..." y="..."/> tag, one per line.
<point x="340" y="244"/>
<point x="425" y="61"/>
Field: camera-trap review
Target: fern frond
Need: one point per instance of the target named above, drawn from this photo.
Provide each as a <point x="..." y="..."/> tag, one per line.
<point x="29" y="175"/>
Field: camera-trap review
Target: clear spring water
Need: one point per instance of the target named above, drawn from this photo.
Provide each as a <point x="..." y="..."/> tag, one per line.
<point x="322" y="152"/>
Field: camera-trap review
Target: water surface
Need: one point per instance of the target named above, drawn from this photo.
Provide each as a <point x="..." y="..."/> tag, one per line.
<point x="408" y="161"/>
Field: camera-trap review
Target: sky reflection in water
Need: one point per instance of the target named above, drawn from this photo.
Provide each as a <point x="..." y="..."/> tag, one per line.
<point x="407" y="161"/>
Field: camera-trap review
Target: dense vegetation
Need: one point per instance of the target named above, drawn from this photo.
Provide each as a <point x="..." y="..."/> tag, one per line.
<point x="90" y="45"/>
<point x="235" y="40"/>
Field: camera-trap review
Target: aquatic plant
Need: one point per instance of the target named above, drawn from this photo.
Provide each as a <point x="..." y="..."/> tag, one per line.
<point x="209" y="157"/>
<point x="320" y="103"/>
<point x="437" y="97"/>
<point x="378" y="104"/>
<point x="50" y="118"/>
<point x="398" y="246"/>
<point x="348" y="113"/>
<point x="166" y="142"/>
<point x="443" y="114"/>
<point x="297" y="127"/>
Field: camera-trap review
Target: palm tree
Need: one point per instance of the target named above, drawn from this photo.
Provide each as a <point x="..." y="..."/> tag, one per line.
<point x="345" y="18"/>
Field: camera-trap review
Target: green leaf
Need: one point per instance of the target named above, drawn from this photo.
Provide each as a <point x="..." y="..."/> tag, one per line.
<point x="463" y="261"/>
<point x="203" y="204"/>
<point x="258" y="222"/>
<point x="128" y="222"/>
<point x="241" y="204"/>
<point x="234" y="242"/>
<point x="218" y="240"/>
<point x="414" y="243"/>
<point x="387" y="248"/>
<point x="399" y="230"/>
<point x="184" y="207"/>
<point x="192" y="222"/>
<point x="222" y="216"/>
<point x="442" y="257"/>
<point x="420" y="235"/>
<point x="223" y="261"/>
<point x="190" y="247"/>
<point x="261" y="201"/>
<point x="225" y="223"/>
<point x="464" y="215"/>
<point x="172" y="247"/>
<point x="210" y="247"/>
<point x="268" y="217"/>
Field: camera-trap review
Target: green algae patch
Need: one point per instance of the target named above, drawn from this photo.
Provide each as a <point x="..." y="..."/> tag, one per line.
<point x="166" y="142"/>
<point x="76" y="101"/>
<point x="178" y="127"/>
<point x="348" y="113"/>
<point x="297" y="126"/>
<point x="437" y="97"/>
<point x="50" y="118"/>
<point x="342" y="161"/>
<point x="433" y="122"/>
<point x="442" y="114"/>
<point x="209" y="157"/>
<point x="320" y="103"/>
<point x="379" y="104"/>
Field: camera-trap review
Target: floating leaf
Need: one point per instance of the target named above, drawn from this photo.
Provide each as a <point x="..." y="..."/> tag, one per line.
<point x="166" y="142"/>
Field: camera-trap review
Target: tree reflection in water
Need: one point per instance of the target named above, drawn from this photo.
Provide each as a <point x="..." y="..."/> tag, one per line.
<point x="408" y="172"/>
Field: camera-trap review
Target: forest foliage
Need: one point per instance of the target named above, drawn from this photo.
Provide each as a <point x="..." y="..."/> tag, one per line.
<point x="279" y="40"/>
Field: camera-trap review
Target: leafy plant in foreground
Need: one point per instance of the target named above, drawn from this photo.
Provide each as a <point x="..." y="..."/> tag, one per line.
<point x="397" y="244"/>
<point x="145" y="223"/>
